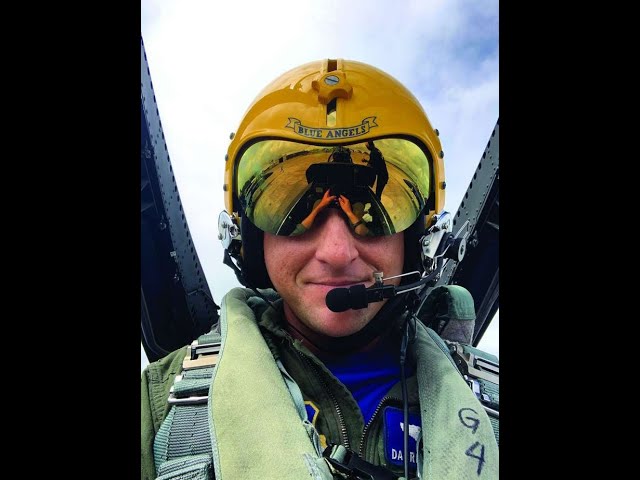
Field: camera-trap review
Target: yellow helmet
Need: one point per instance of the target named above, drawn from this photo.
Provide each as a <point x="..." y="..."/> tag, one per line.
<point x="313" y="110"/>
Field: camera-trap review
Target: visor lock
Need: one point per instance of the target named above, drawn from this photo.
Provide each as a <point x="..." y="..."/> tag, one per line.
<point x="331" y="85"/>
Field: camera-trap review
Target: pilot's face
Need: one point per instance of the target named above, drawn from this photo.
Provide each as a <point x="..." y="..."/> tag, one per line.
<point x="305" y="267"/>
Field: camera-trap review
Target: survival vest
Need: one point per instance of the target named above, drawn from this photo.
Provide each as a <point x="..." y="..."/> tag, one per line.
<point x="207" y="433"/>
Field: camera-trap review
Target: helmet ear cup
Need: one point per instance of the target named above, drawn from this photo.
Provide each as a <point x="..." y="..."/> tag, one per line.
<point x="253" y="268"/>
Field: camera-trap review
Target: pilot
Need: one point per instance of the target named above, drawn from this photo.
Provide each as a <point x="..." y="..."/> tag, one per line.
<point x="323" y="366"/>
<point x="376" y="161"/>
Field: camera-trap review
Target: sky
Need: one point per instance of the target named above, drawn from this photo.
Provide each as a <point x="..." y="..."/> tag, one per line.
<point x="208" y="61"/>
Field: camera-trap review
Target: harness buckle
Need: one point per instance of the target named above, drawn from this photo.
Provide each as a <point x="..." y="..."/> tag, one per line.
<point x="474" y="368"/>
<point x="198" y="356"/>
<point x="348" y="465"/>
<point x="201" y="355"/>
<point x="474" y="365"/>
<point x="173" y="400"/>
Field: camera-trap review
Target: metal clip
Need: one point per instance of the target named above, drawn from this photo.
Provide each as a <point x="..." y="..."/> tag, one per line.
<point x="204" y="355"/>
<point x="474" y="366"/>
<point x="173" y="400"/>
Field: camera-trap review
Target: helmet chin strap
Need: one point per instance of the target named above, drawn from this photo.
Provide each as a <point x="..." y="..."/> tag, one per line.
<point x="383" y="322"/>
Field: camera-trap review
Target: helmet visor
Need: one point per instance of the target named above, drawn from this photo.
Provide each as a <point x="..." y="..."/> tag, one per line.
<point x="283" y="185"/>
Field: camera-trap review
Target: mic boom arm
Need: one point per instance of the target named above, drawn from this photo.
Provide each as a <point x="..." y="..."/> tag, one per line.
<point x="438" y="246"/>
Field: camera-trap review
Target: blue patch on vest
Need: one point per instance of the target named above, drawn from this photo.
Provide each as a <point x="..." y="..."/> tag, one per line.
<point x="312" y="411"/>
<point x="394" y="436"/>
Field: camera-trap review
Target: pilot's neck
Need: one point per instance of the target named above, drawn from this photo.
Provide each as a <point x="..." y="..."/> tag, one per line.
<point x="317" y="343"/>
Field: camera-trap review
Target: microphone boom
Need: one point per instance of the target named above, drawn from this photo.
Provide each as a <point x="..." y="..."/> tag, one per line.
<point x="357" y="296"/>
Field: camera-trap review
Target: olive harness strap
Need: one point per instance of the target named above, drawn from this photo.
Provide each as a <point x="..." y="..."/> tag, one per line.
<point x="182" y="447"/>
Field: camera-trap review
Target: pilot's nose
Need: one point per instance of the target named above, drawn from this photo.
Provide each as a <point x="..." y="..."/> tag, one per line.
<point x="335" y="243"/>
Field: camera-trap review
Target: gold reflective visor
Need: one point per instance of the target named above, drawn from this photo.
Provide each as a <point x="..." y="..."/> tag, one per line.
<point x="283" y="185"/>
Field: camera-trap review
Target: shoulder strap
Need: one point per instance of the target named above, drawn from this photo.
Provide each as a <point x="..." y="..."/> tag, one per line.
<point x="481" y="371"/>
<point x="256" y="409"/>
<point x="457" y="439"/>
<point x="182" y="447"/>
<point x="450" y="312"/>
<point x="188" y="444"/>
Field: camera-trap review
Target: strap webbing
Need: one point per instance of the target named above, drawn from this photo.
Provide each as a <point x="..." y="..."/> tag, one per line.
<point x="495" y="423"/>
<point x="197" y="467"/>
<point x="491" y="390"/>
<point x="194" y="382"/>
<point x="182" y="447"/>
<point x="189" y="431"/>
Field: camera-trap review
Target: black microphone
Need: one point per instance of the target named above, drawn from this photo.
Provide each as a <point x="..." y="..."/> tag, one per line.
<point x="357" y="296"/>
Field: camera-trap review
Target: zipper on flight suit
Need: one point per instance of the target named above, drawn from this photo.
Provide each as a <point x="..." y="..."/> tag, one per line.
<point x="343" y="427"/>
<point x="368" y="425"/>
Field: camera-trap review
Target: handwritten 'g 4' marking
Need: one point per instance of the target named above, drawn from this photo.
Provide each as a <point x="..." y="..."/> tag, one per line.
<point x="480" y="457"/>
<point x="469" y="421"/>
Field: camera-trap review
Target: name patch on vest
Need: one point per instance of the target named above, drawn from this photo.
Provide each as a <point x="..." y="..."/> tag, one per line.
<point x="394" y="436"/>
